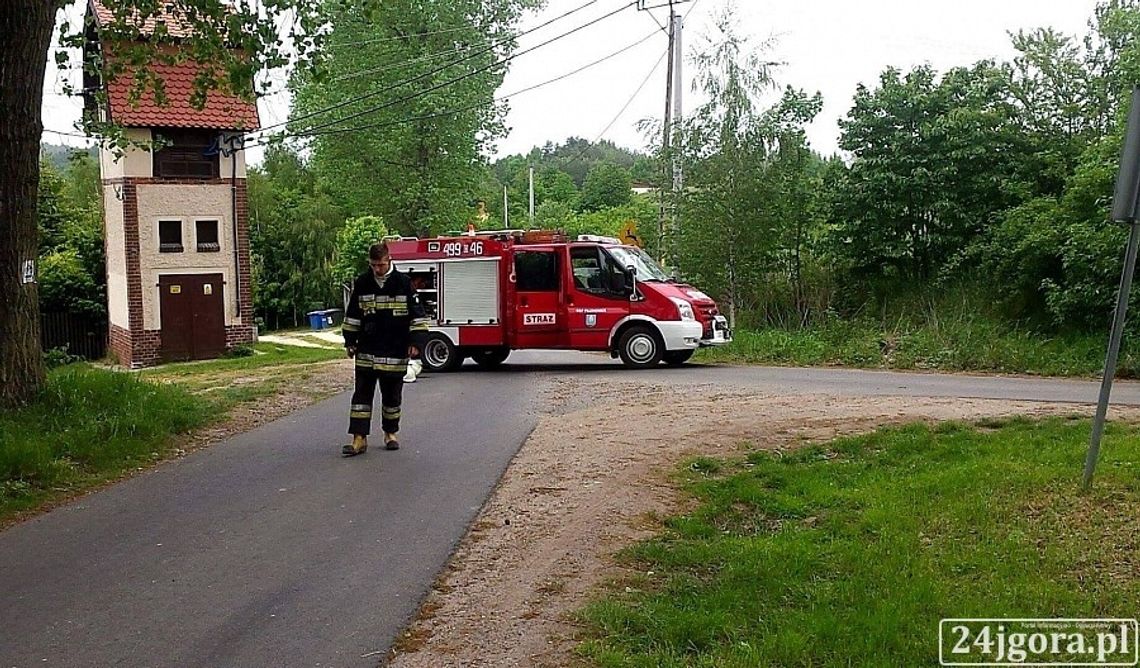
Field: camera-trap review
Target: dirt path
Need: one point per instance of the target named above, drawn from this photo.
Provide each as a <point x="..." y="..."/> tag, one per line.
<point x="592" y="479"/>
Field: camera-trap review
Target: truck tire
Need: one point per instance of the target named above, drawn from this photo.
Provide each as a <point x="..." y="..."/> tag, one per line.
<point x="490" y="358"/>
<point x="677" y="357"/>
<point x="640" y="347"/>
<point x="440" y="354"/>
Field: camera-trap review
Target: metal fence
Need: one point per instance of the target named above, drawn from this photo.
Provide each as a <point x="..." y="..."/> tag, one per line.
<point x="82" y="335"/>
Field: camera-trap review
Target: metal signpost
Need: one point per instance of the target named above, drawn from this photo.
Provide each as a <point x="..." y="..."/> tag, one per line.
<point x="1124" y="210"/>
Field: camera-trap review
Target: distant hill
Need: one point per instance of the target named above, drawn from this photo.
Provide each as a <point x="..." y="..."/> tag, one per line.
<point x="58" y="154"/>
<point x="577" y="156"/>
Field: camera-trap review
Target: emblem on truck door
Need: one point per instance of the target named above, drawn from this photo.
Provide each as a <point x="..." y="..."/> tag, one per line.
<point x="538" y="319"/>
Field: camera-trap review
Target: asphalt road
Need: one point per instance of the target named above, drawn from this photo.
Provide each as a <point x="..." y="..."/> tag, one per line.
<point x="268" y="549"/>
<point x="271" y="550"/>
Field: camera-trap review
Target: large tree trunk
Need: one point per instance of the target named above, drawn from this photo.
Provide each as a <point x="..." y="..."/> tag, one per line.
<point x="26" y="26"/>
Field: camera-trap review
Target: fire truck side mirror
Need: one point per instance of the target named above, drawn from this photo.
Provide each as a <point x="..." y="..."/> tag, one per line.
<point x="631" y="290"/>
<point x="623" y="282"/>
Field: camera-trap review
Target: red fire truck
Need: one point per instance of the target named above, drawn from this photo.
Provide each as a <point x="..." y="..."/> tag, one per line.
<point x="489" y="293"/>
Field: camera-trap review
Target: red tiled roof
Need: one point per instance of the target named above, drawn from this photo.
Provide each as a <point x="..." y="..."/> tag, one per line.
<point x="222" y="111"/>
<point x="168" y="13"/>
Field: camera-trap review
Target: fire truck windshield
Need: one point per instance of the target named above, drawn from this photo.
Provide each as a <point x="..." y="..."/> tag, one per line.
<point x="647" y="269"/>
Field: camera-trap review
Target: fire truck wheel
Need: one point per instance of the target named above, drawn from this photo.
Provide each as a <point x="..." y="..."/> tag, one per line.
<point x="640" y="347"/>
<point x="490" y="358"/>
<point x="440" y="354"/>
<point x="677" y="357"/>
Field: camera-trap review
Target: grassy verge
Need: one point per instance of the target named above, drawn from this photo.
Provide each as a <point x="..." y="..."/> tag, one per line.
<point x="976" y="345"/>
<point x="228" y="383"/>
<point x="265" y="355"/>
<point x="850" y="553"/>
<point x="93" y="425"/>
<point x="88" y="426"/>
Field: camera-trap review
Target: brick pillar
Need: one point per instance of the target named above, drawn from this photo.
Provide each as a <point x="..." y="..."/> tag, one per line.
<point x="134" y="347"/>
<point x="242" y="333"/>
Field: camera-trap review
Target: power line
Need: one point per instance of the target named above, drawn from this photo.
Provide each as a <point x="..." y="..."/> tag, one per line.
<point x="469" y="75"/>
<point x="397" y="37"/>
<point x="70" y="134"/>
<point x="623" y="109"/>
<point x="414" y="61"/>
<point x="499" y="98"/>
<point x="437" y="70"/>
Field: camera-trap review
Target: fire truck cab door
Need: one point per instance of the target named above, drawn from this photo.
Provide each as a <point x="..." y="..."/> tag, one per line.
<point x="594" y="307"/>
<point x="540" y="310"/>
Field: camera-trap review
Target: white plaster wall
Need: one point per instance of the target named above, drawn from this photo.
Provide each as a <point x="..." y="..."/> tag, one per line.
<point x="134" y="162"/>
<point x="187" y="203"/>
<point x="225" y="167"/>
<point x="117" y="302"/>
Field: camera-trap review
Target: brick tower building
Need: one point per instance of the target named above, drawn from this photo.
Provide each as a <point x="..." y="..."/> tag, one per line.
<point x="176" y="219"/>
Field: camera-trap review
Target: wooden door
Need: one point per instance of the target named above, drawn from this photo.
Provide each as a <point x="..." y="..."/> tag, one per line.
<point x="192" y="309"/>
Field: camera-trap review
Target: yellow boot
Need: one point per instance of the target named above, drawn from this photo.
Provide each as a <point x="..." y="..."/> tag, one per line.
<point x="359" y="445"/>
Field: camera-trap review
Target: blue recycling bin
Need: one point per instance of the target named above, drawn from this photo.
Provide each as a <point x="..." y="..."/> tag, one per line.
<point x="318" y="320"/>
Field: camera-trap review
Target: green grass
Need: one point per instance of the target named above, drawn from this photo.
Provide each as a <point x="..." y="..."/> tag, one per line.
<point x="975" y="344"/>
<point x="266" y="355"/>
<point x="92" y="425"/>
<point x="87" y="426"/>
<point x="848" y="554"/>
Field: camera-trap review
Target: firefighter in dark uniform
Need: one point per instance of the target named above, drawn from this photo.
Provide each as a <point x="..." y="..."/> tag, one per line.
<point x="384" y="326"/>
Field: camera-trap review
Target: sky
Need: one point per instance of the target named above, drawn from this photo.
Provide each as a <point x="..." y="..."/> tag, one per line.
<point x="829" y="46"/>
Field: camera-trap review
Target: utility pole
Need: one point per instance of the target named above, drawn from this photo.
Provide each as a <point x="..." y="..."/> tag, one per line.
<point x="532" y="197"/>
<point x="506" y="209"/>
<point x="666" y="156"/>
<point x="671" y="176"/>
<point x="678" y="148"/>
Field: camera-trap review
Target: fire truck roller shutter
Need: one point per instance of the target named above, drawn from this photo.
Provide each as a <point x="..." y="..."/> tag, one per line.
<point x="470" y="292"/>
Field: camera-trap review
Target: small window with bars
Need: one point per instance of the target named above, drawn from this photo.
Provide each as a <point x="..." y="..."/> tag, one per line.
<point x="207" y="236"/>
<point x="170" y="236"/>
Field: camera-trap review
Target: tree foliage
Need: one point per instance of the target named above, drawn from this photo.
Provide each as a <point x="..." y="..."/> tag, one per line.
<point x="416" y="161"/>
<point x="352" y="244"/>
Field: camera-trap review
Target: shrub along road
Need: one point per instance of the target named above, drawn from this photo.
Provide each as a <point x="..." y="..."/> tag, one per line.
<point x="269" y="549"/>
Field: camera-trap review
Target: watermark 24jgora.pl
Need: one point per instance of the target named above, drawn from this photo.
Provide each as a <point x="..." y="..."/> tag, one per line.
<point x="1041" y="642"/>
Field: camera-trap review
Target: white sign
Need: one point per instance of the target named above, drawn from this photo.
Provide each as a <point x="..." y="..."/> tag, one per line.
<point x="28" y="275"/>
<point x="1038" y="642"/>
<point x="538" y="319"/>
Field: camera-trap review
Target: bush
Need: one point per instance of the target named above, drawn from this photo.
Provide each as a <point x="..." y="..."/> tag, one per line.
<point x="243" y="350"/>
<point x="57" y="357"/>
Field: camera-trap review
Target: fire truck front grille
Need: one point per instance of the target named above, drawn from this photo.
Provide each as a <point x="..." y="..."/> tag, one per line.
<point x="707" y="313"/>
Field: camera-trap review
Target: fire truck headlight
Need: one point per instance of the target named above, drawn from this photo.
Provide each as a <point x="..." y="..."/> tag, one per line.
<point x="684" y="309"/>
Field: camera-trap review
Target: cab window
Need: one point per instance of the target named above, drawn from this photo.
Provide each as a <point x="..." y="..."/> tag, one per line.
<point x="587" y="269"/>
<point x="536" y="271"/>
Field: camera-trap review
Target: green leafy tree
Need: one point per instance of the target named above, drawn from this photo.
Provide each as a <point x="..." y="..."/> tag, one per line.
<point x="1055" y="260"/>
<point x="607" y="186"/>
<point x="71" y="271"/>
<point x="251" y="40"/>
<point x="67" y="285"/>
<point x="293" y="228"/>
<point x="416" y="159"/>
<point x="641" y="211"/>
<point x="723" y="245"/>
<point x="932" y="164"/>
<point x="352" y="244"/>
